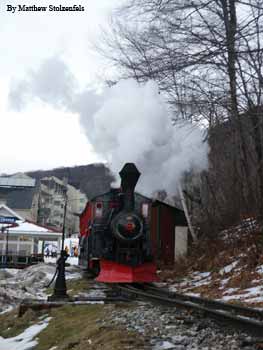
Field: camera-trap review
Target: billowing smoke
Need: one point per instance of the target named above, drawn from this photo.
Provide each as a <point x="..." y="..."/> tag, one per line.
<point x="133" y="125"/>
<point x="52" y="83"/>
<point x="127" y="123"/>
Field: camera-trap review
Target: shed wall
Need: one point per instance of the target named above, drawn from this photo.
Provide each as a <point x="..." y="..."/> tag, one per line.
<point x="154" y="232"/>
<point x="164" y="219"/>
<point x="168" y="220"/>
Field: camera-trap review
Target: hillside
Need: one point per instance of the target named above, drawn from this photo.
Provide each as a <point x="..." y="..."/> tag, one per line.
<point x="92" y="179"/>
<point x="228" y="268"/>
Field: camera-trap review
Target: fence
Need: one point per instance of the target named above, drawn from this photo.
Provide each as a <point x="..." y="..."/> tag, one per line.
<point x="17" y="253"/>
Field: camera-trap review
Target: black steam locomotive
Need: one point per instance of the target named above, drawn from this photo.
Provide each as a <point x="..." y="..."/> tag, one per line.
<point x="115" y="233"/>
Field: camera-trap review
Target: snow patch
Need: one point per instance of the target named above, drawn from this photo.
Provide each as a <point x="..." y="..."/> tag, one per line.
<point x="228" y="268"/>
<point x="165" y="345"/>
<point x="29" y="283"/>
<point x="254" y="294"/>
<point x="224" y="282"/>
<point x="24" y="341"/>
<point x="260" y="269"/>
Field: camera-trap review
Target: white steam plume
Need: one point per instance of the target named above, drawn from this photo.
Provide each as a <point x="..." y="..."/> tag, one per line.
<point x="127" y="123"/>
<point x="133" y="125"/>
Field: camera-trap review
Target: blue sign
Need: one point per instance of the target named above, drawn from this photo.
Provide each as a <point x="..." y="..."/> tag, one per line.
<point x="7" y="219"/>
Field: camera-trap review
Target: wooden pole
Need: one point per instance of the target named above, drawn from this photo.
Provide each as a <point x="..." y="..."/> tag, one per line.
<point x="186" y="213"/>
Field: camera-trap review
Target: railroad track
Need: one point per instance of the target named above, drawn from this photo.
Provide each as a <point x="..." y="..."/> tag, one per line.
<point x="249" y="319"/>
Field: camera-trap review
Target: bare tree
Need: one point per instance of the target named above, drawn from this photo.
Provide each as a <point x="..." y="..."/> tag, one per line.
<point x="206" y="56"/>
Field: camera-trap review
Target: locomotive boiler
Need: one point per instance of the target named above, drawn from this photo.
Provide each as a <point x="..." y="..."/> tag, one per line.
<point x="115" y="234"/>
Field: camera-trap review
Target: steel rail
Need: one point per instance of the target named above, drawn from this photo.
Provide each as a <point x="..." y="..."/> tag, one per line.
<point x="245" y="310"/>
<point x="249" y="324"/>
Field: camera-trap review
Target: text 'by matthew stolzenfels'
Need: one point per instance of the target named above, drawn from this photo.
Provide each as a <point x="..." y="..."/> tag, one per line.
<point x="50" y="8"/>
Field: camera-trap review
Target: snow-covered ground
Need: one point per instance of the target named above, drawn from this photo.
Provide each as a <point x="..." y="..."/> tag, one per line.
<point x="220" y="285"/>
<point x="193" y="282"/>
<point x="235" y="267"/>
<point x="16" y="285"/>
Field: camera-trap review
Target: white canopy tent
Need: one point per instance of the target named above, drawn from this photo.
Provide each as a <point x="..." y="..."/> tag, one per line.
<point x="24" y="237"/>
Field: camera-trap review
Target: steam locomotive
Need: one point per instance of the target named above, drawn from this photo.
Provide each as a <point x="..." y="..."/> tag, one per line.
<point x="115" y="234"/>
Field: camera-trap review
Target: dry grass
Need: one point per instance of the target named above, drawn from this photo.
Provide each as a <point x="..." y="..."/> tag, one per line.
<point x="244" y="248"/>
<point x="74" y="286"/>
<point x="75" y="327"/>
<point x="79" y="328"/>
<point x="12" y="325"/>
<point x="213" y="255"/>
<point x="242" y="280"/>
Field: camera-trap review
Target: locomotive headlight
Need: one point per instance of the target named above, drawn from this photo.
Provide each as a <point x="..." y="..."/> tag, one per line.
<point x="130" y="226"/>
<point x="127" y="227"/>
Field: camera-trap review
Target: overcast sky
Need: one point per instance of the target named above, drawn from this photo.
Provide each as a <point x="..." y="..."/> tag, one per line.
<point x="41" y="135"/>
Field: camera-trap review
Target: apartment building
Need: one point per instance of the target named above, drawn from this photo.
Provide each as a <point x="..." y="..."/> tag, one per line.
<point x="52" y="199"/>
<point x="44" y="201"/>
<point x="19" y="192"/>
<point x="75" y="205"/>
<point x="54" y="195"/>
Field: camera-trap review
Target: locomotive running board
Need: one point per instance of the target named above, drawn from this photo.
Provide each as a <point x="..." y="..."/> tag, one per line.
<point x="113" y="272"/>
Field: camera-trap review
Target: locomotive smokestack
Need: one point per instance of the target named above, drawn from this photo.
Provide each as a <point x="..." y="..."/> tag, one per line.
<point x="129" y="177"/>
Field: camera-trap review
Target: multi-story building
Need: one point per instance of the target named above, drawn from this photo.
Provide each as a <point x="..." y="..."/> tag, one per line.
<point x="76" y="201"/>
<point x="52" y="199"/>
<point x="20" y="193"/>
<point x="56" y="199"/>
<point x="44" y="202"/>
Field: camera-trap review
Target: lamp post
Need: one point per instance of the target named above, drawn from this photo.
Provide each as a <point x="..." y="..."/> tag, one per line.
<point x="60" y="289"/>
<point x="6" y="247"/>
<point x="8" y="221"/>
<point x="3" y="260"/>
